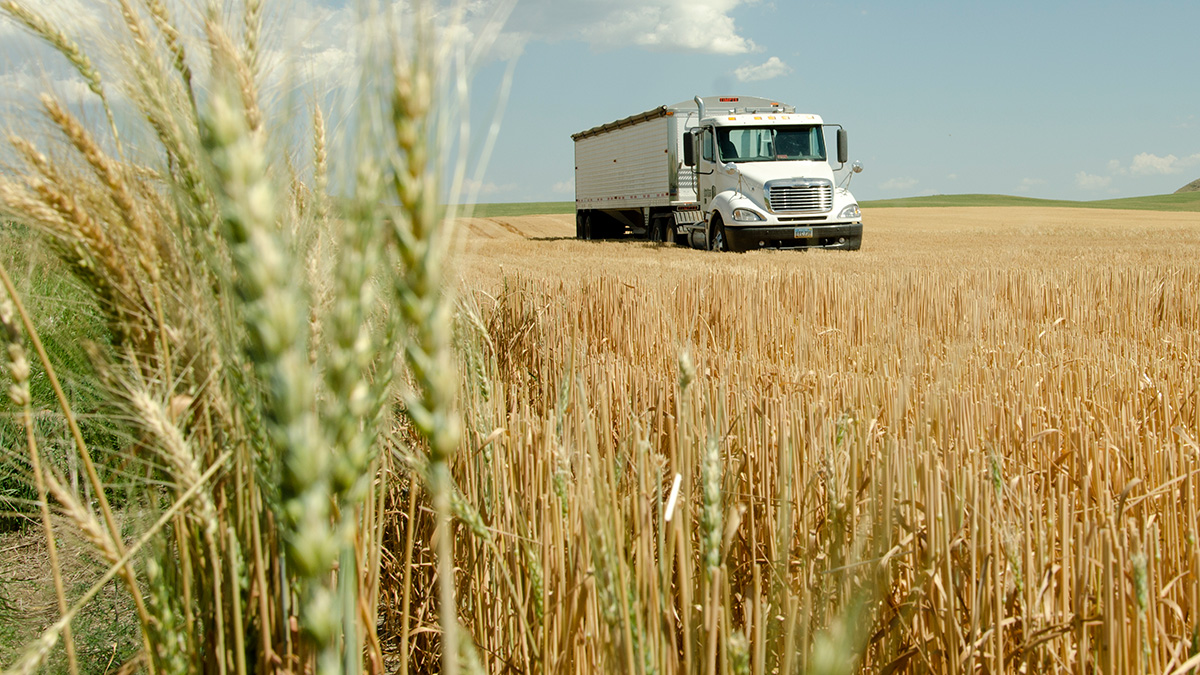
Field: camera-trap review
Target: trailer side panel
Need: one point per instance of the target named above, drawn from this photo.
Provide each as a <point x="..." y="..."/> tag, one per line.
<point x="624" y="168"/>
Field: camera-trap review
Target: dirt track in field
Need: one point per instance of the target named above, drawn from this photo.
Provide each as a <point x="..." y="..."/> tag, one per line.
<point x="919" y="238"/>
<point x="522" y="227"/>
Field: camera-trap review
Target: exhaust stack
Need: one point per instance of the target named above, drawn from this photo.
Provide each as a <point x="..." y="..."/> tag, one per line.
<point x="700" y="106"/>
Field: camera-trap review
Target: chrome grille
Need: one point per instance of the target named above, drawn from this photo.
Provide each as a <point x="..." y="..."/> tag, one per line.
<point x="801" y="198"/>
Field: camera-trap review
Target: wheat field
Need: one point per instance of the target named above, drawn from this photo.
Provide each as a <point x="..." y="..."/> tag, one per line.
<point x="970" y="447"/>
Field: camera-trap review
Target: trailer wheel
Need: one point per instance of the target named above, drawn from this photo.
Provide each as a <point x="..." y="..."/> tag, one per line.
<point x="716" y="235"/>
<point x="586" y="225"/>
<point x="660" y="229"/>
<point x="579" y="219"/>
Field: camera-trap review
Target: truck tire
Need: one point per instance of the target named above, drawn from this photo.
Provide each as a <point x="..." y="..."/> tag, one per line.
<point x="580" y="216"/>
<point x="854" y="243"/>
<point x="661" y="230"/>
<point x="586" y="225"/>
<point x="716" y="235"/>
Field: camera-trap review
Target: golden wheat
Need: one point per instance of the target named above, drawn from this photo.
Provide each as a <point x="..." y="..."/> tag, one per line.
<point x="991" y="467"/>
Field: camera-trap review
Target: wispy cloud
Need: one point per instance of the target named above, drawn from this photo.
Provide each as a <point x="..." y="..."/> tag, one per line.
<point x="661" y="25"/>
<point x="1149" y="164"/>
<point x="68" y="87"/>
<point x="771" y="69"/>
<point x="485" y="188"/>
<point x="898" y="184"/>
<point x="1089" y="181"/>
<point x="1028" y="184"/>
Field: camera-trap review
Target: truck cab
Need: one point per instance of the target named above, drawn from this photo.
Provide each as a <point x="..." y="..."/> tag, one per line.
<point x="731" y="173"/>
<point x="763" y="179"/>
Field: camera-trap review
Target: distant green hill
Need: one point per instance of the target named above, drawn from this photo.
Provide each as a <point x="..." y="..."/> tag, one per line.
<point x="1193" y="186"/>
<point x="1180" y="201"/>
<point x="515" y="209"/>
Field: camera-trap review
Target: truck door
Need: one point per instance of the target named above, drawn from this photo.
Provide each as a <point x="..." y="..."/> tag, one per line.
<point x="705" y="171"/>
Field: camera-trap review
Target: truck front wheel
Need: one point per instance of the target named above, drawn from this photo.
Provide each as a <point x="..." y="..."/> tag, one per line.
<point x="716" y="235"/>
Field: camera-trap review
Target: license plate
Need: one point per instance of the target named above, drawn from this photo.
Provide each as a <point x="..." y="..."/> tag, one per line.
<point x="802" y="233"/>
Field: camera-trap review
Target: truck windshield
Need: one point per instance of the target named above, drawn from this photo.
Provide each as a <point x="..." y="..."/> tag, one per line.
<point x="771" y="144"/>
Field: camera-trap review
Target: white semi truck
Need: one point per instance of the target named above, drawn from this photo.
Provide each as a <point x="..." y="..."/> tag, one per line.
<point x="729" y="173"/>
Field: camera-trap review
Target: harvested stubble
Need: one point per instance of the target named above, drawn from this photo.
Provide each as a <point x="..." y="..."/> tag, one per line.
<point x="933" y="469"/>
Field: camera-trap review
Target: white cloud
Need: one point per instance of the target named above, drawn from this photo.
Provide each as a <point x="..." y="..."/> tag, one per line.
<point x="1153" y="165"/>
<point x="1149" y="164"/>
<point x="74" y="18"/>
<point x="474" y="188"/>
<point x="771" y="69"/>
<point x="1028" y="184"/>
<point x="563" y="187"/>
<point x="68" y="89"/>
<point x="1089" y="181"/>
<point x="662" y="25"/>
<point x="29" y="61"/>
<point x="897" y="184"/>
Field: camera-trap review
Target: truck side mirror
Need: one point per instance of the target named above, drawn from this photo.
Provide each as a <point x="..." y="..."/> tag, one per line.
<point x="843" y="147"/>
<point x="689" y="149"/>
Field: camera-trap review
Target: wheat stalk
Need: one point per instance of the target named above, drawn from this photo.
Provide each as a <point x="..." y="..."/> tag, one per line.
<point x="36" y="652"/>
<point x="272" y="305"/>
<point x="113" y="534"/>
<point x="18" y="369"/>
<point x="420" y="237"/>
<point x="162" y="20"/>
<point x="111" y="175"/>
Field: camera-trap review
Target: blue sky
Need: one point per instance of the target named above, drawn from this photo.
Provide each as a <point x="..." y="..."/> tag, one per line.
<point x="1070" y="100"/>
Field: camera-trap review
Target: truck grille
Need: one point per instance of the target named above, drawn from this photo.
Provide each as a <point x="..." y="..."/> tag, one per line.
<point x="801" y="197"/>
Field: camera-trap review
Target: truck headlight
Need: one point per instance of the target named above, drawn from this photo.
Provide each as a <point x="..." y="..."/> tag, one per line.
<point x="850" y="212"/>
<point x="745" y="216"/>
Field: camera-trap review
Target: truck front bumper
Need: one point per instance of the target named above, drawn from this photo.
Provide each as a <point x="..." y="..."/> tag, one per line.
<point x="832" y="235"/>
